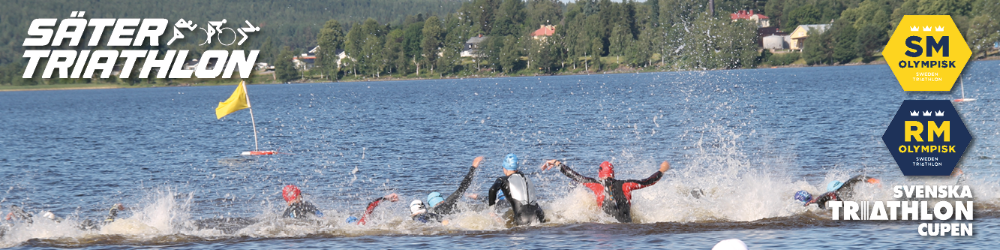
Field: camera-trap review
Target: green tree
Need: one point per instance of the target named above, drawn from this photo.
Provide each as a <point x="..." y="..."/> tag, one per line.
<point x="844" y="36"/>
<point x="510" y="54"/>
<point x="595" y="54"/>
<point x="984" y="31"/>
<point x="431" y="43"/>
<point x="817" y="48"/>
<point x="543" y="12"/>
<point x="773" y="9"/>
<point x="620" y="40"/>
<point x="355" y="41"/>
<point x="283" y="67"/>
<point x="393" y="52"/>
<point x="452" y="45"/>
<point x="509" y="19"/>
<point x="331" y="38"/>
<point x="267" y="51"/>
<point x="870" y="40"/>
<point x="375" y="62"/>
<point x="806" y="14"/>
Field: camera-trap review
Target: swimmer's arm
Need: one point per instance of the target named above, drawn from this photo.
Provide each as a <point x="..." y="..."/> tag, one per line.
<point x="371" y="206"/>
<point x="492" y="197"/>
<point x="638" y="184"/>
<point x="462" y="186"/>
<point x="573" y="174"/>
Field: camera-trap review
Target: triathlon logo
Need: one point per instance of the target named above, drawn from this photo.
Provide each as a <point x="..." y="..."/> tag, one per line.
<point x="927" y="53"/>
<point x="126" y="40"/>
<point x="927" y="137"/>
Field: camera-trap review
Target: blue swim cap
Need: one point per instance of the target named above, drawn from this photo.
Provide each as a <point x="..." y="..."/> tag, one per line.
<point x="833" y="186"/>
<point x="352" y="219"/>
<point x="510" y="162"/>
<point x="803" y="196"/>
<point x="434" y="198"/>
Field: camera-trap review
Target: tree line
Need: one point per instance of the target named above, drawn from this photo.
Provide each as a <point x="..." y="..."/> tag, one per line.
<point x="425" y="38"/>
<point x="590" y="35"/>
<point x="860" y="29"/>
<point x="598" y="35"/>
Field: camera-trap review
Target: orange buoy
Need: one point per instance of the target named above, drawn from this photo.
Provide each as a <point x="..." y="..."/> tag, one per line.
<point x="258" y="153"/>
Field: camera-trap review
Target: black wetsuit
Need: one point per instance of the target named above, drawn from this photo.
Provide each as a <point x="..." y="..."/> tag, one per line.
<point x="519" y="191"/>
<point x="428" y="217"/>
<point x="619" y="203"/>
<point x="299" y="210"/>
<point x="448" y="205"/>
<point x="845" y="192"/>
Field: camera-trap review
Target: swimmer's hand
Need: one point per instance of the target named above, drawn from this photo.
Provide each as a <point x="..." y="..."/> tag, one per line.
<point x="664" y="167"/>
<point x="475" y="162"/>
<point x="550" y="164"/>
<point x="393" y="197"/>
<point x="496" y="218"/>
<point x="445" y="222"/>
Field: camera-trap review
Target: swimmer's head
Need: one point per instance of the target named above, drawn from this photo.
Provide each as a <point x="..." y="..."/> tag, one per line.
<point x="290" y="193"/>
<point x="803" y="196"/>
<point x="434" y="198"/>
<point x="510" y="162"/>
<point x="833" y="186"/>
<point x="607" y="171"/>
<point x="417" y="207"/>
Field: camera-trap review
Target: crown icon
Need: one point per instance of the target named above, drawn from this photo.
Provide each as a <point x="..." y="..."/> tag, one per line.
<point x="927" y="28"/>
<point x="939" y="29"/>
<point x="927" y="113"/>
<point x="914" y="28"/>
<point x="939" y="113"/>
<point x="914" y="113"/>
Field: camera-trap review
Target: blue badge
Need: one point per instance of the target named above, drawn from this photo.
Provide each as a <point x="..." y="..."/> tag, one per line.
<point x="927" y="137"/>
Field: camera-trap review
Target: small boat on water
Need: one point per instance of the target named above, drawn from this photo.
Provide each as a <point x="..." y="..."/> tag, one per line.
<point x="963" y="99"/>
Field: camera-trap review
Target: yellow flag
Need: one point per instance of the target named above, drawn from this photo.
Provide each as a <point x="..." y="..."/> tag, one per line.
<point x="236" y="102"/>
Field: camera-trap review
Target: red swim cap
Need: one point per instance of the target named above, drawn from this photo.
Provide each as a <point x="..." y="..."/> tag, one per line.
<point x="290" y="192"/>
<point x="606" y="171"/>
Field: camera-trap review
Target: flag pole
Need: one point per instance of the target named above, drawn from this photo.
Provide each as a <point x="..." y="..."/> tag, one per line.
<point x="247" y="96"/>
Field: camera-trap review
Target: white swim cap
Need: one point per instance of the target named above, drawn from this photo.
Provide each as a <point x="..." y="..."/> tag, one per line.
<point x="730" y="244"/>
<point x="417" y="206"/>
<point x="49" y="215"/>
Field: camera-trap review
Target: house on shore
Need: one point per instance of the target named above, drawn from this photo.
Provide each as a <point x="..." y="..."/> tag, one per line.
<point x="762" y="21"/>
<point x="772" y="38"/>
<point x="307" y="61"/>
<point x="800" y="34"/>
<point x="543" y="32"/>
<point x="471" y="48"/>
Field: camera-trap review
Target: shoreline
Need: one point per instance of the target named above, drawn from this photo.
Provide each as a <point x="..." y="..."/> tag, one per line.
<point x="625" y="70"/>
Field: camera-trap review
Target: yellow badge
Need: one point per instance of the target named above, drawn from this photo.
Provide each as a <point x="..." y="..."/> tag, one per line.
<point x="927" y="53"/>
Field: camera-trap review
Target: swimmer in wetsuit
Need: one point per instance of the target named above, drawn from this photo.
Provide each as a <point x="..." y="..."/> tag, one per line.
<point x="444" y="206"/>
<point x="16" y="213"/>
<point x="441" y="206"/>
<point x="299" y="209"/>
<point x="613" y="196"/>
<point x="836" y="191"/>
<point x="418" y="212"/>
<point x="519" y="191"/>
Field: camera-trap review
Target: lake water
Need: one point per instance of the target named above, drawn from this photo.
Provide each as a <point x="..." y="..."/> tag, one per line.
<point x="747" y="138"/>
